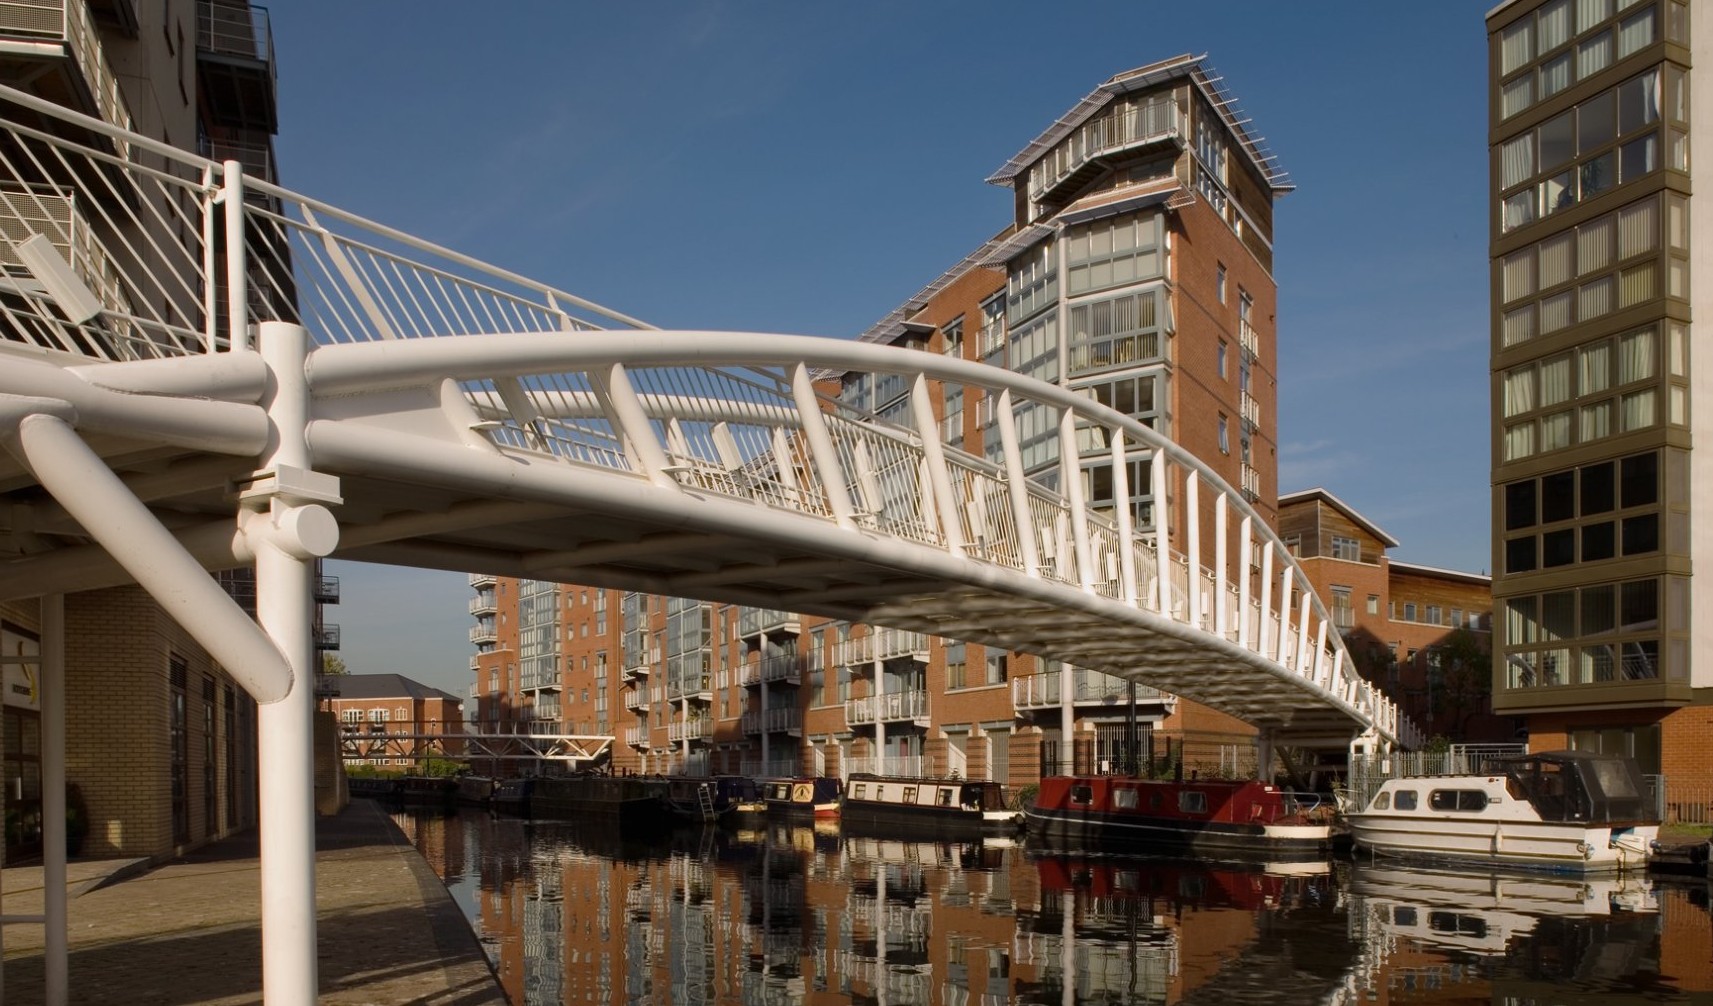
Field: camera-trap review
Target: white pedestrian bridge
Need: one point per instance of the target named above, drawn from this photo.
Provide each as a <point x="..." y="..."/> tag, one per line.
<point x="200" y="370"/>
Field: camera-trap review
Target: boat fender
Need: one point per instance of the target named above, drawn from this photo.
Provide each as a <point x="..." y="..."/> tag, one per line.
<point x="1584" y="848"/>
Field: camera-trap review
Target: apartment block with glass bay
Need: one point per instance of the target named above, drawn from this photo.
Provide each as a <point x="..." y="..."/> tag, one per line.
<point x="1593" y="105"/>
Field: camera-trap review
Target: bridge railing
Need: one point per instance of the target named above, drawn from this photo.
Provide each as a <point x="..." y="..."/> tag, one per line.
<point x="136" y="259"/>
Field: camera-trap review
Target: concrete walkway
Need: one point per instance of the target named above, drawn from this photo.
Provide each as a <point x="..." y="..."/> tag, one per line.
<point x="188" y="932"/>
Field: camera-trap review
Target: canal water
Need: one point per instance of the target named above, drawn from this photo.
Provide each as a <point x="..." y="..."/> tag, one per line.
<point x="807" y="915"/>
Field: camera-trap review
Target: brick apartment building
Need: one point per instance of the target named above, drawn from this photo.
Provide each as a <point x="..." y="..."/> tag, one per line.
<point x="1597" y="464"/>
<point x="391" y="722"/>
<point x="1138" y="270"/>
<point x="1421" y="633"/>
<point x="160" y="741"/>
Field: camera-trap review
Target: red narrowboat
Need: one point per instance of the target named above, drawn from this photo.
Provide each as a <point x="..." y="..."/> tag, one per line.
<point x="1204" y="817"/>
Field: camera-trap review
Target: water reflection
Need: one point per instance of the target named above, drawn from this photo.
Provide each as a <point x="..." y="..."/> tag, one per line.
<point x="792" y="915"/>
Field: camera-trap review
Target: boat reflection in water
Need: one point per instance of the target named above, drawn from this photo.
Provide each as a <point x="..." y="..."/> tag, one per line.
<point x="790" y="914"/>
<point x="1510" y="937"/>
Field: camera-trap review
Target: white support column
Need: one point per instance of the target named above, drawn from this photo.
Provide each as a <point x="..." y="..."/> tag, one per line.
<point x="1192" y="547"/>
<point x="945" y="505"/>
<point x="1017" y="486"/>
<point x="1246" y="535"/>
<point x="1067" y="720"/>
<point x="1071" y="475"/>
<point x="1284" y="605"/>
<point x="1162" y="532"/>
<point x="56" y="950"/>
<point x="237" y="276"/>
<point x="286" y="729"/>
<point x="1221" y="579"/>
<point x="821" y="450"/>
<point x="1123" y="509"/>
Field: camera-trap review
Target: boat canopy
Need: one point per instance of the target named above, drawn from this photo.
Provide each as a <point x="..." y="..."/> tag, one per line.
<point x="1579" y="786"/>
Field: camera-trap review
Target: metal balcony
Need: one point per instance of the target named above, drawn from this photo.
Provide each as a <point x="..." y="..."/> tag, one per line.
<point x="637" y="737"/>
<point x="635" y="700"/>
<point x="327" y="590"/>
<point x="786" y="668"/>
<point x="326" y="637"/>
<point x="693" y="730"/>
<point x="480" y="634"/>
<point x="484" y="603"/>
<point x="235" y="64"/>
<point x="888" y="707"/>
<point x="58" y="39"/>
<point x="785" y="720"/>
<point x="56" y="214"/>
<point x="636" y="672"/>
<point x="1044" y="690"/>
<point x="766" y="621"/>
<point x="481" y="580"/>
<point x="1079" y="157"/>
<point x="1251" y="410"/>
<point x="896" y="644"/>
<point x="1247" y="339"/>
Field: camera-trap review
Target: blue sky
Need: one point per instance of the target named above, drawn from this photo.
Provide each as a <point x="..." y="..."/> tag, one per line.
<point x="803" y="167"/>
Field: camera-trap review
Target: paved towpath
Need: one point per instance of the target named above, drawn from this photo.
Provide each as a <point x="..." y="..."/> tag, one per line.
<point x="188" y="932"/>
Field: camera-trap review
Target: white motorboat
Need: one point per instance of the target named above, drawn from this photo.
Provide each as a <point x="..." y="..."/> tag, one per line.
<point x="1567" y="811"/>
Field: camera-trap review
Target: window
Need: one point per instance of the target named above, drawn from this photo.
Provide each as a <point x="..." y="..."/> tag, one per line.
<point x="1219" y="281"/>
<point x="1224" y="369"/>
<point x="1405" y="800"/>
<point x="1082" y="795"/>
<point x="957" y="667"/>
<point x="1343" y="613"/>
<point x="1224" y="434"/>
<point x="952" y="337"/>
<point x="1373" y="604"/>
<point x="1569" y="158"/>
<point x="1348" y="549"/>
<point x="995" y="668"/>
<point x="1192" y="802"/>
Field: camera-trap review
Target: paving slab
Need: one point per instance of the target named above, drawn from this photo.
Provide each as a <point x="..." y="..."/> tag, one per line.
<point x="188" y="933"/>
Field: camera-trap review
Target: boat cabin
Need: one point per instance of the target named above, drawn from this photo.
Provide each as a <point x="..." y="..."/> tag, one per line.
<point x="1579" y="786"/>
<point x="943" y="794"/>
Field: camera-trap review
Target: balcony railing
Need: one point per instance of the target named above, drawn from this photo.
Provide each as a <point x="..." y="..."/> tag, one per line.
<point x="26" y="210"/>
<point x="481" y="580"/>
<point x="1247" y="340"/>
<point x="1251" y="409"/>
<point x="235" y="28"/>
<point x="786" y="667"/>
<point x="327" y="590"/>
<point x="761" y="621"/>
<point x="483" y="604"/>
<point x="887" y="707"/>
<point x="785" y="719"/>
<point x="1251" y="482"/>
<point x="1041" y="691"/>
<point x="693" y="730"/>
<point x="640" y="670"/>
<point x="327" y="637"/>
<point x="635" y="699"/>
<point x="70" y="22"/>
<point x="484" y="634"/>
<point x="1123" y="128"/>
<point x="881" y="644"/>
<point x="636" y="737"/>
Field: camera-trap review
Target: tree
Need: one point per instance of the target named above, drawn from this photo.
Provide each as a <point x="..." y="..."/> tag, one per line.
<point x="1465" y="685"/>
<point x="331" y="663"/>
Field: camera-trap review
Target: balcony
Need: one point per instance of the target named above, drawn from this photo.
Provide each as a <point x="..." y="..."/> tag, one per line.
<point x="484" y="603"/>
<point x="636" y="672"/>
<point x="636" y="700"/>
<point x="787" y="668"/>
<point x="888" y="707"/>
<point x="327" y="590"/>
<point x="897" y="644"/>
<point x="784" y="720"/>
<point x="1251" y="410"/>
<point x="327" y="686"/>
<point x="1251" y="486"/>
<point x="235" y="64"/>
<point x="481" y="581"/>
<point x="1042" y="691"/>
<point x="56" y="214"/>
<point x="766" y="621"/>
<point x="326" y="637"/>
<point x="486" y="633"/>
<point x="55" y="46"/>
<point x="1125" y="127"/>
<point x="691" y="730"/>
<point x="253" y="151"/>
<point x="1246" y="338"/>
<point x="637" y="737"/>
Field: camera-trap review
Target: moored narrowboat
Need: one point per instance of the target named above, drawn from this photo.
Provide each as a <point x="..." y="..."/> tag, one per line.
<point x="625" y="801"/>
<point x="802" y="799"/>
<point x="511" y="796"/>
<point x="954" y="809"/>
<point x="1245" y="819"/>
<point x="711" y="799"/>
<point x="475" y="790"/>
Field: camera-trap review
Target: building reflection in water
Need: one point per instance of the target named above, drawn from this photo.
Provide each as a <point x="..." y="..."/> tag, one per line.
<point x="799" y="915"/>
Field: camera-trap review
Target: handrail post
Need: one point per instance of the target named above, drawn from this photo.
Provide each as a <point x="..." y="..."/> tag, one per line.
<point x="237" y="314"/>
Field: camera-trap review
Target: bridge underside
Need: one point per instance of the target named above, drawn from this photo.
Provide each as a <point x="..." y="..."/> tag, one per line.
<point x="668" y="541"/>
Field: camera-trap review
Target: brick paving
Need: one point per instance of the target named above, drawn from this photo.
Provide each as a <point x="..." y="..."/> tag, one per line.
<point x="188" y="932"/>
